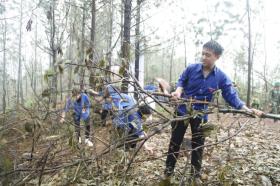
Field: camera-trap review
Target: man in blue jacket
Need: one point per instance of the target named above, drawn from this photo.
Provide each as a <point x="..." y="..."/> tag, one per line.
<point x="80" y="104"/>
<point x="127" y="116"/>
<point x="199" y="81"/>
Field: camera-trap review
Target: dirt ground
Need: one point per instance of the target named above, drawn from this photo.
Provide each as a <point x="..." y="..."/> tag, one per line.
<point x="250" y="157"/>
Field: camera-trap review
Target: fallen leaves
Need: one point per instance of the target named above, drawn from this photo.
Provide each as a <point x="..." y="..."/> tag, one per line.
<point x="250" y="158"/>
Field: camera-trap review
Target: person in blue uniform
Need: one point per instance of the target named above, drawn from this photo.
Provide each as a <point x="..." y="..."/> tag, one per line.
<point x="80" y="104"/>
<point x="199" y="81"/>
<point x="127" y="115"/>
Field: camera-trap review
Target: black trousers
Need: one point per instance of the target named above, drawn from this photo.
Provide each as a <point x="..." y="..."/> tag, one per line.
<point x="77" y="121"/>
<point x="178" y="131"/>
<point x="104" y="115"/>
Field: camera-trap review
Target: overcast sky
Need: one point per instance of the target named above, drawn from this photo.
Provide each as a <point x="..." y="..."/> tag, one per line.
<point x="169" y="16"/>
<point x="173" y="17"/>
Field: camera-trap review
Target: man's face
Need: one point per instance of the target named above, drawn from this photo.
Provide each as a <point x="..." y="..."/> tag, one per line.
<point x="208" y="57"/>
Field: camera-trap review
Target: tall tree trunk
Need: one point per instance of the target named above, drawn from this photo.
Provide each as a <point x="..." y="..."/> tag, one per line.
<point x="265" y="95"/>
<point x="185" y="47"/>
<point x="70" y="56"/>
<point x="35" y="59"/>
<point x="61" y="86"/>
<point x="122" y="19"/>
<point x="163" y="65"/>
<point x="93" y="18"/>
<point x="137" y="43"/>
<point x="126" y="43"/>
<point x="19" y="82"/>
<point x="171" y="61"/>
<point x="4" y="67"/>
<point x="82" y="71"/>
<point x="54" y="56"/>
<point x="26" y="85"/>
<point x="252" y="66"/>
<point x="92" y="41"/>
<point x="109" y="52"/>
<point x="41" y="75"/>
<point x="249" y="55"/>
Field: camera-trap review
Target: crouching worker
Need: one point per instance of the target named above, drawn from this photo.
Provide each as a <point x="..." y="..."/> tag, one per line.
<point x="127" y="117"/>
<point x="106" y="106"/>
<point x="80" y="104"/>
<point x="105" y="100"/>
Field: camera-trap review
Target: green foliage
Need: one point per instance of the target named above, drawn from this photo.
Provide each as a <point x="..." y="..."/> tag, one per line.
<point x="102" y="63"/>
<point x="71" y="141"/>
<point x="201" y="20"/>
<point x="145" y="128"/>
<point x="76" y="70"/>
<point x="29" y="126"/>
<point x="122" y="70"/>
<point x="48" y="73"/>
<point x="29" y="103"/>
<point x="46" y="93"/>
<point x="89" y="51"/>
<point x="276" y="84"/>
<point x="223" y="174"/>
<point x="61" y="68"/>
<point x="216" y="95"/>
<point x="6" y="164"/>
<point x="207" y="129"/>
<point x="91" y="79"/>
<point x="165" y="182"/>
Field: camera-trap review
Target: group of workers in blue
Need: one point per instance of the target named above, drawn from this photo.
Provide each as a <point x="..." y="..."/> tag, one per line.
<point x="124" y="111"/>
<point x="198" y="81"/>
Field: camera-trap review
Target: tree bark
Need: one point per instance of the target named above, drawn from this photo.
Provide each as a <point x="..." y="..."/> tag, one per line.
<point x="92" y="40"/>
<point x="35" y="60"/>
<point x="185" y="47"/>
<point x="137" y="42"/>
<point x="171" y="61"/>
<point x="126" y="43"/>
<point x="4" y="68"/>
<point x="93" y="18"/>
<point x="54" y="56"/>
<point x="109" y="52"/>
<point x="19" y="82"/>
<point x="70" y="55"/>
<point x="82" y="71"/>
<point x="249" y="56"/>
<point x="122" y="19"/>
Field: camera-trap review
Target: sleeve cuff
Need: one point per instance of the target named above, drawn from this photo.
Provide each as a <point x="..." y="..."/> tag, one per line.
<point x="240" y="105"/>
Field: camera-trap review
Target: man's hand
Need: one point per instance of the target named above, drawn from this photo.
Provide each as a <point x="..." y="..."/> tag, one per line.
<point x="61" y="120"/>
<point x="177" y="94"/>
<point x="253" y="111"/>
<point x="62" y="117"/>
<point x="257" y="112"/>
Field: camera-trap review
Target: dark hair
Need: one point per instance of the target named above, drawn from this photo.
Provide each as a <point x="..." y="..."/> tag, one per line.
<point x="144" y="110"/>
<point x="109" y="90"/>
<point x="215" y="46"/>
<point x="75" y="91"/>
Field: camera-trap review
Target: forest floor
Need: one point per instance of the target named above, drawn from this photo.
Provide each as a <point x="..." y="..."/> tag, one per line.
<point x="250" y="155"/>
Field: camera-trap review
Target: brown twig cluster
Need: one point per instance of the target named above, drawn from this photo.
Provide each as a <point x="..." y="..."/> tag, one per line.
<point x="39" y="149"/>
